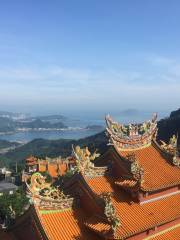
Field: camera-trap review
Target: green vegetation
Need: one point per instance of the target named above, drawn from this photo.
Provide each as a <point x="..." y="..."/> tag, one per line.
<point x="169" y="126"/>
<point x="12" y="206"/>
<point x="52" y="118"/>
<point x="6" y="124"/>
<point x="38" y="123"/>
<point x="63" y="147"/>
<point x="6" y="144"/>
<point x="52" y="148"/>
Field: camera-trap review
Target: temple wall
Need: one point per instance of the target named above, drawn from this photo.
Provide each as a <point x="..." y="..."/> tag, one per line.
<point x="120" y="168"/>
<point x="158" y="229"/>
<point x="157" y="194"/>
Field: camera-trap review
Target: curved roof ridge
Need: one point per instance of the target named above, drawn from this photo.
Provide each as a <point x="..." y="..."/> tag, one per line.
<point x="132" y="136"/>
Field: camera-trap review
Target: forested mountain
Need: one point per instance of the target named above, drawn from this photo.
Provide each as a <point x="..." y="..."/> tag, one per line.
<point x="53" y="148"/>
<point x="10" y="125"/>
<point x="169" y="126"/>
<point x="38" y="123"/>
<point x="6" y="144"/>
<point x="7" y="124"/>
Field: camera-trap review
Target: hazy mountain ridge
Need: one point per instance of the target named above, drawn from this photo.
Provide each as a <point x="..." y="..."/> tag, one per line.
<point x="52" y="148"/>
<point x="6" y="144"/>
<point x="10" y="124"/>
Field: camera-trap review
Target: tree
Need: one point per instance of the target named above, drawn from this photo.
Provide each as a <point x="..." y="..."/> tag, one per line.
<point x="12" y="206"/>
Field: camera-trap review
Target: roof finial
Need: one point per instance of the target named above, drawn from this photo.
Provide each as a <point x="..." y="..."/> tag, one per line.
<point x="110" y="212"/>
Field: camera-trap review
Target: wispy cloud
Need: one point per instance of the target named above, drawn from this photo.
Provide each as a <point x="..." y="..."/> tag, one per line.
<point x="158" y="84"/>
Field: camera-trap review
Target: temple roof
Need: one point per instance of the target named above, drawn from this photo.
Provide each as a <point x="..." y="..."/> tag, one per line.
<point x="68" y="224"/>
<point x="132" y="136"/>
<point x="159" y="173"/>
<point x="31" y="161"/>
<point x="135" y="161"/>
<point x="134" y="217"/>
<point x="170" y="234"/>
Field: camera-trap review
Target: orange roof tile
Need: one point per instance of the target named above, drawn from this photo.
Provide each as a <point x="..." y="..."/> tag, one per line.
<point x="62" y="168"/>
<point x="42" y="167"/>
<point x="53" y="170"/>
<point x="172" y="233"/>
<point x="158" y="172"/>
<point x="126" y="183"/>
<point x="134" y="217"/>
<point x="100" y="184"/>
<point x="68" y="224"/>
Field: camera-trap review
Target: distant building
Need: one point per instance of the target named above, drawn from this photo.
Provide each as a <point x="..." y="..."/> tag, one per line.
<point x="53" y="166"/>
<point x="135" y="196"/>
<point x="6" y="175"/>
<point x="7" y="188"/>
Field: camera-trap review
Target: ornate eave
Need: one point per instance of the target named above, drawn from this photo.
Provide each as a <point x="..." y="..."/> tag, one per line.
<point x="132" y="136"/>
<point x="171" y="149"/>
<point x="134" y="181"/>
<point x="45" y="196"/>
<point x="110" y="213"/>
<point x="84" y="162"/>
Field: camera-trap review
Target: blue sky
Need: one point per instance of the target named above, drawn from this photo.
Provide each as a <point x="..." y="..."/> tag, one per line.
<point x="89" y="55"/>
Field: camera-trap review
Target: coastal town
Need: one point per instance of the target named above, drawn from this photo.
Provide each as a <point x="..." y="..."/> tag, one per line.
<point x="109" y="196"/>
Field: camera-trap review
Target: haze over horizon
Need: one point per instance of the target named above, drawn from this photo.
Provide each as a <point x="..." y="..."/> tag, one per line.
<point x="96" y="56"/>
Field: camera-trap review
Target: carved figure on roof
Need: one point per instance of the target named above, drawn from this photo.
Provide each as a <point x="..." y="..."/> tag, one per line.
<point x="136" y="170"/>
<point x="172" y="149"/>
<point x="84" y="158"/>
<point x="133" y="135"/>
<point x="117" y="128"/>
<point x="173" y="141"/>
<point x="144" y="127"/>
<point x="131" y="130"/>
<point x="39" y="186"/>
<point x="45" y="195"/>
<point x="110" y="212"/>
<point x="38" y="182"/>
<point x="154" y="118"/>
<point x="131" y="157"/>
<point x="176" y="160"/>
<point x="171" y="146"/>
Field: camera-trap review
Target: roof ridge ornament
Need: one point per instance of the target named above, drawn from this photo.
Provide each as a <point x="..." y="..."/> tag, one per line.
<point x="45" y="195"/>
<point x="172" y="148"/>
<point x="84" y="162"/>
<point x="132" y="136"/>
<point x="136" y="170"/>
<point x="110" y="212"/>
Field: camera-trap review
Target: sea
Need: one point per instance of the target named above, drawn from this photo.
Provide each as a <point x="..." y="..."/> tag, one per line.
<point x="78" y="126"/>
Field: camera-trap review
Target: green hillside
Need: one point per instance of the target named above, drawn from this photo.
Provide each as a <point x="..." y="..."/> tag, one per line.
<point x="63" y="147"/>
<point x="53" y="148"/>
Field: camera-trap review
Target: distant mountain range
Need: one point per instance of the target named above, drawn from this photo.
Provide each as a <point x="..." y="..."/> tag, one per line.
<point x="13" y="116"/>
<point x="53" y="148"/>
<point x="5" y="144"/>
<point x="13" y="122"/>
